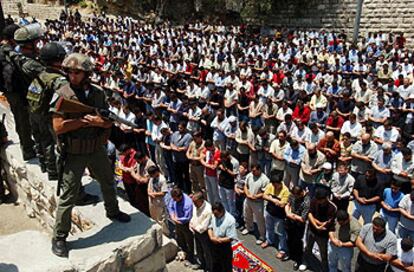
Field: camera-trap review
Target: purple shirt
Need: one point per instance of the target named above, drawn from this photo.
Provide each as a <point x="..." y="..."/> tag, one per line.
<point x="182" y="209"/>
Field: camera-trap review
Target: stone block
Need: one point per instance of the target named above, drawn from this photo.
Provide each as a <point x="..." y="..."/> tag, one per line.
<point x="149" y="265"/>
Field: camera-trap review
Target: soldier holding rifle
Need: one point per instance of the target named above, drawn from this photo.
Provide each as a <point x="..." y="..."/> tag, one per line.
<point x="82" y="137"/>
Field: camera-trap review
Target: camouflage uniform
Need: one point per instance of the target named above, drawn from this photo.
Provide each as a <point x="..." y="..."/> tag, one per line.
<point x="39" y="96"/>
<point x="84" y="148"/>
<point x="15" y="92"/>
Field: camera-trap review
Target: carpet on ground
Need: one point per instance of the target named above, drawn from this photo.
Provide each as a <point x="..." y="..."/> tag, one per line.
<point x="244" y="260"/>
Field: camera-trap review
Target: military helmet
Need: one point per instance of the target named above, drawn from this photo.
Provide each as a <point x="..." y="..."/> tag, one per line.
<point x="52" y="52"/>
<point x="8" y="31"/>
<point x="28" y="33"/>
<point x="77" y="61"/>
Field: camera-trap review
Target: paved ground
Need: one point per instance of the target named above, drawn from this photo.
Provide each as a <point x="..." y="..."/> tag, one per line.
<point x="14" y="219"/>
<point x="21" y="222"/>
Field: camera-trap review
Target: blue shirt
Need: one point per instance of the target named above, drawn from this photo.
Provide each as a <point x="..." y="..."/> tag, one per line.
<point x="224" y="226"/>
<point x="183" y="209"/>
<point x="294" y="155"/>
<point x="393" y="200"/>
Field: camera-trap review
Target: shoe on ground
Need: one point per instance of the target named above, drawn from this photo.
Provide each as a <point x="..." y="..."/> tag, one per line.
<point x="259" y="241"/>
<point x="52" y="176"/>
<point x="27" y="156"/>
<point x="196" y="267"/>
<point x="280" y="255"/>
<point x="295" y="266"/>
<point x="87" y="199"/>
<point x="59" y="248"/>
<point x="285" y="258"/>
<point x="121" y="217"/>
<point x="265" y="245"/>
<point x="302" y="267"/>
<point x="245" y="232"/>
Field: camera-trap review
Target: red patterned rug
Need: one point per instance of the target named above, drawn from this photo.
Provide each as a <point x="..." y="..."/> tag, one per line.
<point x="244" y="260"/>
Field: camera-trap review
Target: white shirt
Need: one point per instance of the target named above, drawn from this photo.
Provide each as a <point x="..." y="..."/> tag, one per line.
<point x="406" y="258"/>
<point x="201" y="218"/>
<point x="156" y="131"/>
<point x="354" y="129"/>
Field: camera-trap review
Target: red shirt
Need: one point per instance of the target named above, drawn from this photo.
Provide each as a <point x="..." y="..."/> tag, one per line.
<point x="304" y="116"/>
<point x="128" y="160"/>
<point x="211" y="158"/>
<point x="335" y="124"/>
<point x="203" y="75"/>
<point x="278" y="77"/>
<point x="335" y="146"/>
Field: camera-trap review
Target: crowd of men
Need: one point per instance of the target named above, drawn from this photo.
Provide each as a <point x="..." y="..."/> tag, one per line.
<point x="282" y="132"/>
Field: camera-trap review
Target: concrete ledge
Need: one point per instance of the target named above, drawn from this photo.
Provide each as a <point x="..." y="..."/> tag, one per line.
<point x="96" y="243"/>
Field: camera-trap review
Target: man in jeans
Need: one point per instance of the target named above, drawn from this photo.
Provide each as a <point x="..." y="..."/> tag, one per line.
<point x="390" y="210"/>
<point x="276" y="195"/>
<point x="180" y="141"/>
<point x="342" y="241"/>
<point x="180" y="210"/>
<point x="228" y="171"/>
<point x="377" y="247"/>
<point x="254" y="188"/>
<point x="406" y="225"/>
<point x="210" y="159"/>
<point x="367" y="191"/>
<point x="321" y="220"/>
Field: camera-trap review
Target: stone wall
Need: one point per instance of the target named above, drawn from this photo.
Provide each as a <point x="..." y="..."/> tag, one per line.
<point x="96" y="243"/>
<point x="39" y="10"/>
<point x="377" y="15"/>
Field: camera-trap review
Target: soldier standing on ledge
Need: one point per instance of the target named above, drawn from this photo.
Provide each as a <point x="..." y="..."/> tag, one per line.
<point x="82" y="137"/>
<point x="39" y="96"/>
<point x="15" y="91"/>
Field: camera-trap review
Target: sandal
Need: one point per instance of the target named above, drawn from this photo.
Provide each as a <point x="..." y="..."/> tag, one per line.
<point x="265" y="245"/>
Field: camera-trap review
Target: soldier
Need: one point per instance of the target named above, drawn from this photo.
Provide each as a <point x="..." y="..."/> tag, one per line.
<point x="82" y="137"/>
<point x="15" y="91"/>
<point x="27" y="37"/>
<point x="39" y="96"/>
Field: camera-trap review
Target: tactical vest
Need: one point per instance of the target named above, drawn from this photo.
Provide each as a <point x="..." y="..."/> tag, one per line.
<point x="85" y="140"/>
<point x="40" y="92"/>
<point x="13" y="80"/>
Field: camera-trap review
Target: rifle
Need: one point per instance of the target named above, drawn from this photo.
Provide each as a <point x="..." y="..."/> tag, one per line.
<point x="73" y="106"/>
<point x="61" y="162"/>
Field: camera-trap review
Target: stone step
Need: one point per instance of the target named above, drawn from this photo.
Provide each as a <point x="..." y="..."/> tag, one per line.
<point x="96" y="243"/>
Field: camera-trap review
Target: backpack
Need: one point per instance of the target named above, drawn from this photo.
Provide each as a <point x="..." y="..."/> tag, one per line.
<point x="41" y="90"/>
<point x="13" y="78"/>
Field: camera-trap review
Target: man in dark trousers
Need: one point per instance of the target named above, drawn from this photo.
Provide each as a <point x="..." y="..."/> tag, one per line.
<point x="15" y="91"/>
<point x="222" y="232"/>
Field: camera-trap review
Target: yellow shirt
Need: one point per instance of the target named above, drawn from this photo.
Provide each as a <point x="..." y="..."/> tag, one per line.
<point x="282" y="194"/>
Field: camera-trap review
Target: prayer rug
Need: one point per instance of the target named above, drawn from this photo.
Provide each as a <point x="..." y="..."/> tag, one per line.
<point x="246" y="261"/>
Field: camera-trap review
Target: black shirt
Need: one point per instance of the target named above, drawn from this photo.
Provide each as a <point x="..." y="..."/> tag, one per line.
<point x="225" y="179"/>
<point x="368" y="189"/>
<point x="323" y="212"/>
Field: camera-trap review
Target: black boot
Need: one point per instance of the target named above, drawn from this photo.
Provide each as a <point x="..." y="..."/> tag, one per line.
<point x="52" y="175"/>
<point x="27" y="156"/>
<point x="59" y="247"/>
<point x="120" y="217"/>
<point x="43" y="168"/>
<point x="87" y="199"/>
